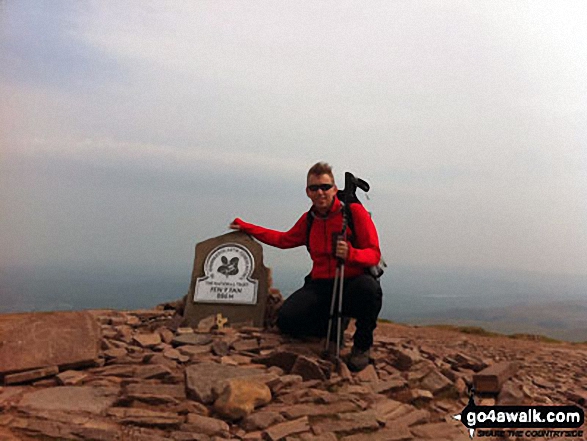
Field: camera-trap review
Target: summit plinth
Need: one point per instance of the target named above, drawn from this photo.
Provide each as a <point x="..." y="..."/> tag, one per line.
<point x="229" y="280"/>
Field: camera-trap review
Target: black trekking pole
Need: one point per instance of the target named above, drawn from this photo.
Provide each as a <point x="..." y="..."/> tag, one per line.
<point x="339" y="313"/>
<point x="337" y="290"/>
<point x="348" y="195"/>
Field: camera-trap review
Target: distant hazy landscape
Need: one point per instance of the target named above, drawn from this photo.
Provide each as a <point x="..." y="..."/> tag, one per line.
<point x="500" y="301"/>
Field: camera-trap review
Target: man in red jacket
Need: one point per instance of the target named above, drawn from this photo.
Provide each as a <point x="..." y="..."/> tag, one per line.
<point x="306" y="311"/>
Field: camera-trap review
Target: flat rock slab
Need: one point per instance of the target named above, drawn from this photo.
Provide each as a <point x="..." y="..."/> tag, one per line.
<point x="35" y="340"/>
<point x="348" y="423"/>
<point x="440" y="431"/>
<point x="393" y="433"/>
<point x="10" y="394"/>
<point x="50" y="426"/>
<point x="201" y="378"/>
<point x="491" y="379"/>
<point x="27" y="376"/>
<point x="192" y="339"/>
<point x="89" y="399"/>
<point x="145" y="417"/>
<point x="282" y="430"/>
<point x="299" y="410"/>
<point x="156" y="394"/>
<point x="281" y="358"/>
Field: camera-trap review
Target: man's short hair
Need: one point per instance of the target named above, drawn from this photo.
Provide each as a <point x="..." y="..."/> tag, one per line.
<point x="321" y="168"/>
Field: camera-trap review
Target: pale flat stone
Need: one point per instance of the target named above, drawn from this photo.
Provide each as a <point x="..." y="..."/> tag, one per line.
<point x="436" y="431"/>
<point x="220" y="347"/>
<point x="202" y="377"/>
<point x="228" y="361"/>
<point x="192" y="339"/>
<point x="194" y="350"/>
<point x="32" y="375"/>
<point x="415" y="416"/>
<point x="299" y="410"/>
<point x="165" y="334"/>
<point x="329" y="436"/>
<point x="469" y="362"/>
<point x="257" y="435"/>
<point x="240" y="397"/>
<point x="393" y="433"/>
<point x="147" y="340"/>
<point x="156" y="371"/>
<point x="421" y="397"/>
<point x="261" y="420"/>
<point x="405" y="358"/>
<point x="116" y="371"/>
<point x="71" y="378"/>
<point x="348" y="423"/>
<point x="437" y="383"/>
<point x="206" y="425"/>
<point x="385" y="407"/>
<point x="184" y="330"/>
<point x="280" y="431"/>
<point x="368" y="375"/>
<point x="284" y="359"/>
<point x="155" y="393"/>
<point x="492" y="378"/>
<point x="510" y="395"/>
<point x="71" y="398"/>
<point x="172" y="354"/>
<point x="246" y="345"/>
<point x="344" y="372"/>
<point x="207" y="323"/>
<point x="308" y="369"/>
<point x="189" y="436"/>
<point x="144" y="417"/>
<point x="391" y="385"/>
<point x="124" y="333"/>
<point x="284" y="381"/>
<point x="115" y="352"/>
<point x="9" y="395"/>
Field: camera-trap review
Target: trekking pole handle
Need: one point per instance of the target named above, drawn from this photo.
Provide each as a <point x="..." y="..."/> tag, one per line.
<point x="336" y="238"/>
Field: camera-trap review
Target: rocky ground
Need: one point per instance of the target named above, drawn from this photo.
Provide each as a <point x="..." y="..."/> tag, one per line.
<point x="154" y="380"/>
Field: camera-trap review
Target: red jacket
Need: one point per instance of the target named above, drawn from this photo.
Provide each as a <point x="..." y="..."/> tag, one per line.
<point x="365" y="238"/>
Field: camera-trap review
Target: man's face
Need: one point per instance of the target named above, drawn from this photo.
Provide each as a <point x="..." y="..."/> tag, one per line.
<point x="322" y="199"/>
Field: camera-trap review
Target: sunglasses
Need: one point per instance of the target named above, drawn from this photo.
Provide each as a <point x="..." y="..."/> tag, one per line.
<point x="323" y="187"/>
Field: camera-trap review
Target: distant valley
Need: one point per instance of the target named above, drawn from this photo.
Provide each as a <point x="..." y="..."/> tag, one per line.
<point x="501" y="301"/>
<point x="558" y="320"/>
<point x="507" y="302"/>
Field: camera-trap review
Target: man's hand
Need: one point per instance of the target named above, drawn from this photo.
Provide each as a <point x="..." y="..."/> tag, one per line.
<point x="342" y="249"/>
<point x="234" y="226"/>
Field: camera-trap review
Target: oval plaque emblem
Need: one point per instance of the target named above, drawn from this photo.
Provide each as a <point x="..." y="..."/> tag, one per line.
<point x="227" y="270"/>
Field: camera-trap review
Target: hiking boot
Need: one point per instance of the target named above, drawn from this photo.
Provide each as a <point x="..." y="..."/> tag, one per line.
<point x="358" y="359"/>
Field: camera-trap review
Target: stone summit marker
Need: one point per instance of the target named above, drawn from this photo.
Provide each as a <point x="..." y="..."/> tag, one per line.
<point x="228" y="278"/>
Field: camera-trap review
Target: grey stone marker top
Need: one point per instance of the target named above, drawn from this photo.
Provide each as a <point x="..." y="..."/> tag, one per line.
<point x="228" y="278"/>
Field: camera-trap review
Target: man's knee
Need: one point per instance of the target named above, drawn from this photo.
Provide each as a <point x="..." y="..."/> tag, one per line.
<point x="292" y="313"/>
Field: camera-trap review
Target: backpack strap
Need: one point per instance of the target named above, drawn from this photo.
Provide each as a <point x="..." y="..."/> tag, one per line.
<point x="309" y="221"/>
<point x="349" y="220"/>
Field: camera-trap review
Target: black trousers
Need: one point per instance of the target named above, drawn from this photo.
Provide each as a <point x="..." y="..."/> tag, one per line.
<point x="306" y="311"/>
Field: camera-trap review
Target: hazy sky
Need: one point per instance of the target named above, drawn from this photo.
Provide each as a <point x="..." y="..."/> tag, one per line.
<point x="130" y="131"/>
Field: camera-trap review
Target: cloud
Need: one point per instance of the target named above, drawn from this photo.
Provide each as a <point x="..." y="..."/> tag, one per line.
<point x="468" y="120"/>
<point x="113" y="153"/>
